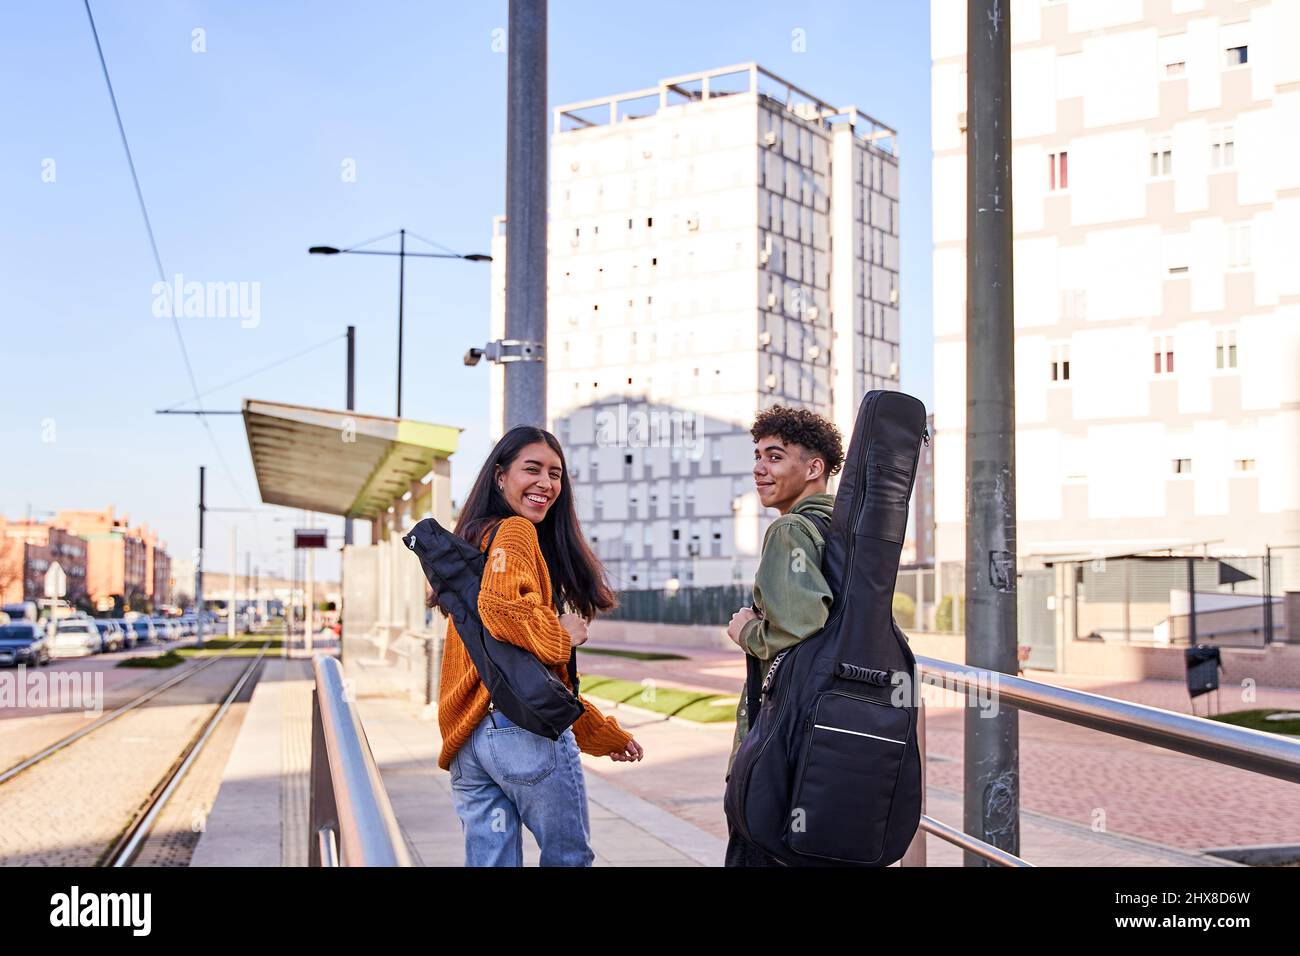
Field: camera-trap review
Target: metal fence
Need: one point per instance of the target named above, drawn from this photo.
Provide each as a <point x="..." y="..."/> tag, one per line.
<point x="1233" y="601"/>
<point x="1254" y="750"/>
<point x="913" y="603"/>
<point x="711" y="605"/>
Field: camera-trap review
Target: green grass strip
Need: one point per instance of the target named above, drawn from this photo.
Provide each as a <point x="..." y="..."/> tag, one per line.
<point x="634" y="655"/>
<point x="714" y="709"/>
<point x="699" y="706"/>
<point x="1255" y="720"/>
<point x="170" y="659"/>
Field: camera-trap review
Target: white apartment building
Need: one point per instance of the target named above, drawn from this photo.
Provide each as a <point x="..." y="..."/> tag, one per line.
<point x="1156" y="203"/>
<point x="718" y="243"/>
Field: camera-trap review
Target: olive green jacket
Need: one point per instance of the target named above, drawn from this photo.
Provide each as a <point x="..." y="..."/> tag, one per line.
<point x="789" y="590"/>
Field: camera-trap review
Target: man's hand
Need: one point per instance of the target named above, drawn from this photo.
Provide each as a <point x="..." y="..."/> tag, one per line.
<point x="576" y="625"/>
<point x="631" y="753"/>
<point x="738" y="621"/>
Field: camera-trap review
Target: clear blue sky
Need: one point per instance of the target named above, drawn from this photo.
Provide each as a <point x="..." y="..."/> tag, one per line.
<point x="240" y="152"/>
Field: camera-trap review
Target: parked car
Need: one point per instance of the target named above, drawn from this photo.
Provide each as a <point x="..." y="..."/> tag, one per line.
<point x="110" y="638"/>
<point x="23" y="642"/>
<point x="74" y="637"/>
<point x="164" y="629"/>
<point x="20" y="611"/>
<point x="126" y="630"/>
<point x="144" y="630"/>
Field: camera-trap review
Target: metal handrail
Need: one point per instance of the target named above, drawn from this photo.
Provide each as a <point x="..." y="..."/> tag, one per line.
<point x="1233" y="746"/>
<point x="1223" y="743"/>
<point x="351" y="820"/>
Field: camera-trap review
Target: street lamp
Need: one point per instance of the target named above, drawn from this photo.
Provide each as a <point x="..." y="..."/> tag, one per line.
<point x="402" y="255"/>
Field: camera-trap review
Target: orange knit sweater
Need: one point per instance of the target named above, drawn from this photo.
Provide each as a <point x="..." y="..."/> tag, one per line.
<point x="515" y="605"/>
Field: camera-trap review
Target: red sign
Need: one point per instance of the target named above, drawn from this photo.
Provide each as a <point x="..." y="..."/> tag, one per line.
<point x="309" y="538"/>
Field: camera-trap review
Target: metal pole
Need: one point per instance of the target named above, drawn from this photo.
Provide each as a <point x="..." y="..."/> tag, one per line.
<point x="992" y="743"/>
<point x="198" y="570"/>
<point x="525" y="382"/>
<point x="309" y="597"/>
<point x="1191" y="602"/>
<point x="1268" y="595"/>
<point x="401" y="296"/>
<point x="234" y="590"/>
<point x="352" y="397"/>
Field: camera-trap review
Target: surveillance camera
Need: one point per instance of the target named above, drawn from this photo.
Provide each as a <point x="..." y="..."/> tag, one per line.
<point x="472" y="356"/>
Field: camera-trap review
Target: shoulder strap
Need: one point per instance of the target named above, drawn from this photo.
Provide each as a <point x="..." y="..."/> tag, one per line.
<point x="819" y="526"/>
<point x="818" y="523"/>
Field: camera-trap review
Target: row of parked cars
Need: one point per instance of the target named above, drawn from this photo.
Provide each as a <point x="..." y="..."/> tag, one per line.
<point x="26" y="641"/>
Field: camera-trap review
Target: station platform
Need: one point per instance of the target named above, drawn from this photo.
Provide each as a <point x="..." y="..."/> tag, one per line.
<point x="664" y="811"/>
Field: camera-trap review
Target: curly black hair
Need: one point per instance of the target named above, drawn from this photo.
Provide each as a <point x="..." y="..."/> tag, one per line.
<point x="799" y="426"/>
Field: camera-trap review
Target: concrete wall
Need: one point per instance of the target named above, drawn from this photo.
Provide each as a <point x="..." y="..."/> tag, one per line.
<point x="1274" y="666"/>
<point x="385" y="621"/>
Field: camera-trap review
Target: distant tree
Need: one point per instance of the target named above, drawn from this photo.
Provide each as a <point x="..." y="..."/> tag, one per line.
<point x="11" y="569"/>
<point x="904" y="610"/>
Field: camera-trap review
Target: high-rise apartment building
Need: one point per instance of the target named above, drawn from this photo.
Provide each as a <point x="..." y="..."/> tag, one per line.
<point x="1156" y="204"/>
<point x="719" y="243"/>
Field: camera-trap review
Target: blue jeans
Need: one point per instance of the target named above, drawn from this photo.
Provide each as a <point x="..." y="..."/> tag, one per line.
<point x="505" y="775"/>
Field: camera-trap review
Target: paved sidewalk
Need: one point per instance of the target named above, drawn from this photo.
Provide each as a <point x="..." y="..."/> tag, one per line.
<point x="1069" y="772"/>
<point x="260" y="815"/>
<point x="627" y="830"/>
<point x="664" y="811"/>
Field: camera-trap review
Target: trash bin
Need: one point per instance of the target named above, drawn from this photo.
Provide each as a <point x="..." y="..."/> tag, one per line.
<point x="1203" y="665"/>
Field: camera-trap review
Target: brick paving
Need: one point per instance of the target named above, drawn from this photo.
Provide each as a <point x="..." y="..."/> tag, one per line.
<point x="667" y="810"/>
<point x="68" y="809"/>
<point x="1071" y="773"/>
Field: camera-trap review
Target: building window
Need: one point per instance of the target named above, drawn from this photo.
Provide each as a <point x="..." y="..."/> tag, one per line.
<point x="1239" y="245"/>
<point x="1235" y="56"/>
<point x="677" y="534"/>
<point x="1058" y="170"/>
<point x="1182" y="466"/>
<point x="1222" y="147"/>
<point x="1060" y="363"/>
<point x="1163" y="354"/>
<point x="1176" y="68"/>
<point x="1243" y="464"/>
<point x="1162" y="158"/>
<point x="1225" y="349"/>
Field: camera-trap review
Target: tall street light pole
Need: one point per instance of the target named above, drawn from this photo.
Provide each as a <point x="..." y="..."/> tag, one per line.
<point x="992" y="742"/>
<point x="523" y="351"/>
<point x="526" y="122"/>
<point x="402" y="255"/>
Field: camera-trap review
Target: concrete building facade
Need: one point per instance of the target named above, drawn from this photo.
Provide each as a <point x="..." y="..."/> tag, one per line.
<point x="1156" y="204"/>
<point x="719" y="243"/>
<point x="28" y="549"/>
<point x="125" y="563"/>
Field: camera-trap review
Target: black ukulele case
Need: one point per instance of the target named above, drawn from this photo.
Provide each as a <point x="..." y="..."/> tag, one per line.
<point x="829" y="773"/>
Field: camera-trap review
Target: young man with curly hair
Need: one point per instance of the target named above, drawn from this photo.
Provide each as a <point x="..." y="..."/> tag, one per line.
<point x="795" y="453"/>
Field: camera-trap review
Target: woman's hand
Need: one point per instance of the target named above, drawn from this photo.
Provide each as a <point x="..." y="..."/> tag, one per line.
<point x="576" y="625"/>
<point x="630" y="754"/>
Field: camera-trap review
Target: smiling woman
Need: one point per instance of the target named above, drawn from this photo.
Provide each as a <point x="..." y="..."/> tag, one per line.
<point x="505" y="777"/>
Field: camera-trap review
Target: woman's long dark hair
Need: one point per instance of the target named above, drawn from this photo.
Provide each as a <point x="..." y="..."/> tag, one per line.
<point x="574" y="570"/>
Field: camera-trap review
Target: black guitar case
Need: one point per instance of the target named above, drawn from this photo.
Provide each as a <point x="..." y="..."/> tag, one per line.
<point x="520" y="686"/>
<point x="829" y="773"/>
